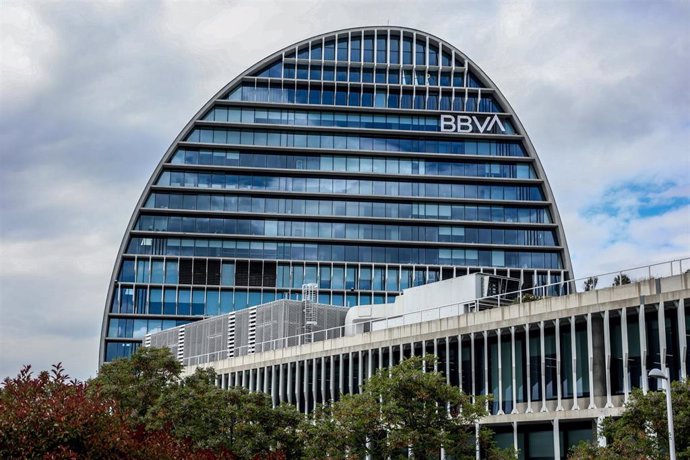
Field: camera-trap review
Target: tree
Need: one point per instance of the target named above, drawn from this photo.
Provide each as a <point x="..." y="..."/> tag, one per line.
<point x="591" y="283"/>
<point x="225" y="421"/>
<point x="136" y="383"/>
<point x="621" y="279"/>
<point x="406" y="406"/>
<point x="642" y="430"/>
<point x="52" y="417"/>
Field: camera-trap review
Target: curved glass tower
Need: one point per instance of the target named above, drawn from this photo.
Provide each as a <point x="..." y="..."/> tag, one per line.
<point x="366" y="160"/>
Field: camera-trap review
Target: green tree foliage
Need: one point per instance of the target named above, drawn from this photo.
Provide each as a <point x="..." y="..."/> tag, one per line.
<point x="231" y="420"/>
<point x="642" y="430"/>
<point x="591" y="283"/>
<point x="141" y="407"/>
<point x="621" y="279"/>
<point x="138" y="382"/>
<point x="407" y="406"/>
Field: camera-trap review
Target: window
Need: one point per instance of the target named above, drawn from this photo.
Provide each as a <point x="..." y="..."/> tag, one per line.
<point x="356" y="51"/>
<point x="407" y="50"/>
<point x="127" y="271"/>
<point x="381" y="48"/>
<point x="170" y="301"/>
<point x="395" y="51"/>
<point x="420" y="51"/>
<point x="369" y="49"/>
<point x="329" y="51"/>
<point x="342" y="49"/>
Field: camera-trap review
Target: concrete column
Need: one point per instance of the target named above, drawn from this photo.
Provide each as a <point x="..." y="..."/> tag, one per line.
<point x="266" y="380"/>
<point x="590" y="351"/>
<point x="573" y="355"/>
<point x="500" y="372"/>
<point x="252" y="381"/>
<point x="683" y="342"/>
<point x="448" y="360"/>
<point x="332" y="378"/>
<point x="341" y="374"/>
<point x="624" y="343"/>
<point x="528" y="371"/>
<point x="350" y="380"/>
<point x="290" y="383"/>
<point x="274" y="385"/>
<point x="370" y="364"/>
<point x="512" y="369"/>
<point x="476" y="442"/>
<point x="381" y="358"/>
<point x="281" y="384"/>
<point x="607" y="351"/>
<point x="460" y="362"/>
<point x="474" y="369"/>
<point x="435" y="354"/>
<point x="543" y="368"/>
<point x="314" y="382"/>
<point x="556" y="439"/>
<point x="559" y="387"/>
<point x="643" y="349"/>
<point x="662" y="334"/>
<point x="360" y="370"/>
<point x="486" y="365"/>
<point x="323" y="380"/>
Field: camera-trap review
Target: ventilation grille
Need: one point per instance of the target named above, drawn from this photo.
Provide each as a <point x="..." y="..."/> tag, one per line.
<point x="180" y="344"/>
<point x="251" y="330"/>
<point x="231" y="335"/>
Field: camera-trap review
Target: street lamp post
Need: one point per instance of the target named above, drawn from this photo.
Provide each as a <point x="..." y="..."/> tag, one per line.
<point x="661" y="375"/>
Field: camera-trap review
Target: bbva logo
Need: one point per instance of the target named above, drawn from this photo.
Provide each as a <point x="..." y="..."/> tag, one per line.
<point x="469" y="124"/>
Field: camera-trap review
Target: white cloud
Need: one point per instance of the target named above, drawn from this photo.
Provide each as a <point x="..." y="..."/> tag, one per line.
<point x="27" y="49"/>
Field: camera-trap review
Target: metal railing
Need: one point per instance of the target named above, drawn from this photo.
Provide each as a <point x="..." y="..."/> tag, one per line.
<point x="561" y="288"/>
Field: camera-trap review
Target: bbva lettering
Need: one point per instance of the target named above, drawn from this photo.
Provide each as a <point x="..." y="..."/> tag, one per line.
<point x="468" y="124"/>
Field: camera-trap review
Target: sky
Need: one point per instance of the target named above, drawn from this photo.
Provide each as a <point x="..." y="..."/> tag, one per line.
<point x="93" y="93"/>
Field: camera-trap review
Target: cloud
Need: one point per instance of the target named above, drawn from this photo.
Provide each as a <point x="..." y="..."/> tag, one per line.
<point x="93" y="93"/>
<point x="27" y="51"/>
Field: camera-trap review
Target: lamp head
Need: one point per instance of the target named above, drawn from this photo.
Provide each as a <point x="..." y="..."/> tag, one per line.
<point x="657" y="374"/>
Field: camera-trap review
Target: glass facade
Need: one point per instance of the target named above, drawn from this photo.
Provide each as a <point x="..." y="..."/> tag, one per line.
<point x="327" y="163"/>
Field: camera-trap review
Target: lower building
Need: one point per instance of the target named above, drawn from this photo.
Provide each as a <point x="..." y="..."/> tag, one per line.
<point x="555" y="366"/>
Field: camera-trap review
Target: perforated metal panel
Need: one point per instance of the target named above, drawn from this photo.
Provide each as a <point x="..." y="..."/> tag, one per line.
<point x="266" y="327"/>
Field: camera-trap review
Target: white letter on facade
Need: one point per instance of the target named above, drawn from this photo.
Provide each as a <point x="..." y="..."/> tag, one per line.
<point x="496" y="120"/>
<point x="481" y="126"/>
<point x="464" y="124"/>
<point x="447" y="123"/>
